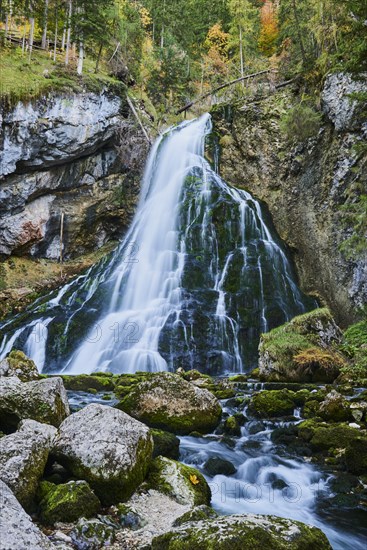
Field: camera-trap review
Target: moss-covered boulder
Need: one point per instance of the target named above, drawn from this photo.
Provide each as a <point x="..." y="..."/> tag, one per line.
<point x="272" y="403"/>
<point x="168" y="402"/>
<point x="184" y="484"/>
<point x="196" y="514"/>
<point x="345" y="444"/>
<point x="68" y="502"/>
<point x="18" y="364"/>
<point x="165" y="444"/>
<point x="335" y="408"/>
<point x="354" y="345"/>
<point x="232" y="426"/>
<point x="107" y="448"/>
<point x="247" y="532"/>
<point x="86" y="382"/>
<point x="41" y="400"/>
<point x="301" y="350"/>
<point x="23" y="457"/>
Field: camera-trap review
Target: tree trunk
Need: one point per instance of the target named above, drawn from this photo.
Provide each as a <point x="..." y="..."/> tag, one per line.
<point x="9" y="13"/>
<point x="24" y="37"/>
<point x="68" y="33"/>
<point x="98" y="58"/>
<point x="31" y="35"/>
<point x="56" y="31"/>
<point x="81" y="57"/>
<point x="299" y="33"/>
<point x="45" y="22"/>
<point x="241" y="58"/>
<point x="63" y="39"/>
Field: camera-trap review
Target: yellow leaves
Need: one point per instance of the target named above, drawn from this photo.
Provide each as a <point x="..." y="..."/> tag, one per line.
<point x="194" y="479"/>
<point x="145" y="17"/>
<point x="217" y="39"/>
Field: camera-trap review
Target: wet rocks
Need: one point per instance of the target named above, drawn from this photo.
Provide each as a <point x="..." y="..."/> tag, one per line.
<point x="23" y="456"/>
<point x="217" y="465"/>
<point x="41" y="400"/>
<point x="335" y="408"/>
<point x="67" y="502"/>
<point x="168" y="402"/>
<point x="272" y="403"/>
<point x="246" y="532"/>
<point x="18" y="364"/>
<point x="182" y="483"/>
<point x="17" y="529"/>
<point x="165" y="444"/>
<point x="300" y="351"/>
<point x="107" y="448"/>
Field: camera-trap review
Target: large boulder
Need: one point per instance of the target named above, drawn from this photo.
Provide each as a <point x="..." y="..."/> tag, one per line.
<point x="168" y="402"/>
<point x="107" y="448"/>
<point x="17" y="529"/>
<point x="246" y="532"/>
<point x="23" y="457"/>
<point x="272" y="403"/>
<point x="41" y="400"/>
<point x="184" y="484"/>
<point x="301" y="350"/>
<point x="18" y="364"/>
<point x="67" y="502"/>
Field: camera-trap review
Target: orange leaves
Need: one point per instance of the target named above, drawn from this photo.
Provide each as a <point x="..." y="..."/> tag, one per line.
<point x="269" y="28"/>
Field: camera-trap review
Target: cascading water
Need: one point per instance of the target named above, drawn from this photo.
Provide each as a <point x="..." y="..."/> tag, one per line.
<point x="196" y="280"/>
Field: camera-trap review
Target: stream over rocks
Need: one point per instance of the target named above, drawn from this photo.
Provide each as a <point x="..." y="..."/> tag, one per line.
<point x="199" y="276"/>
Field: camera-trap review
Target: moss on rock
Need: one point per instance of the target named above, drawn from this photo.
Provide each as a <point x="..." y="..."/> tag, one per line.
<point x="301" y="350"/>
<point x="89" y="382"/>
<point x="248" y="532"/>
<point x="67" y="502"/>
<point x="18" y="364"/>
<point x="165" y="444"/>
<point x="183" y="483"/>
<point x="273" y="403"/>
<point x="168" y="402"/>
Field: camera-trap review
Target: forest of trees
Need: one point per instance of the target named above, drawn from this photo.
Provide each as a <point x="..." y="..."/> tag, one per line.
<point x="177" y="49"/>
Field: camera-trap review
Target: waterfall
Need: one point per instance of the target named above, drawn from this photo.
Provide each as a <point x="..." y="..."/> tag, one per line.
<point x="198" y="277"/>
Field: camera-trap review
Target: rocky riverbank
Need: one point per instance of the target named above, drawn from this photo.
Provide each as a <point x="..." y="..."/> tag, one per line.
<point x="97" y="464"/>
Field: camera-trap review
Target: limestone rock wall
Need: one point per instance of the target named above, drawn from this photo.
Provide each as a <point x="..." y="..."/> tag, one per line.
<point x="62" y="155"/>
<point x="304" y="185"/>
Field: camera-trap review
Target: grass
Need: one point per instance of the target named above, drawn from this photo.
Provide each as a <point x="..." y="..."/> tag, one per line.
<point x="21" y="79"/>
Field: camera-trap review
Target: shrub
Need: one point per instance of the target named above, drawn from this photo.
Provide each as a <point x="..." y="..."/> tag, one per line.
<point x="300" y="123"/>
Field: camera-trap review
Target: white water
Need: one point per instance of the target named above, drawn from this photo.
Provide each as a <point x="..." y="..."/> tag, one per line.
<point x="143" y="282"/>
<point x="250" y="489"/>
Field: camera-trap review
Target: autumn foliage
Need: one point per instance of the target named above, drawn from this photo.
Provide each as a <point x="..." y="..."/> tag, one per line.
<point x="269" y="28"/>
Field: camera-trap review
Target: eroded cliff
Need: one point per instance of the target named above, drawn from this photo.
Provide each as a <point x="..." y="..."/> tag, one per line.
<point x="304" y="185"/>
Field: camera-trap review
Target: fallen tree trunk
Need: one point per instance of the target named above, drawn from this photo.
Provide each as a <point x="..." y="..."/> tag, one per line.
<point x="242" y="78"/>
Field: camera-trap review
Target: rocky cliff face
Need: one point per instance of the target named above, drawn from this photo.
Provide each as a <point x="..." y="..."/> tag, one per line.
<point x="62" y="155"/>
<point x="304" y="185"/>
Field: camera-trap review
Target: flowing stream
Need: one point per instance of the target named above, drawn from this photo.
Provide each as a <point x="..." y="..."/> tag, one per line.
<point x="200" y="274"/>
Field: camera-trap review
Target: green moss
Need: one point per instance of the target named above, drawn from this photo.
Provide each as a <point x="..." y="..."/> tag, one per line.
<point x="165" y="444"/>
<point x="231" y="426"/>
<point x="24" y="367"/>
<point x="196" y="514"/>
<point x="239" y="533"/>
<point x="166" y="390"/>
<point x="67" y="502"/>
<point x="183" y="483"/>
<point x="88" y="382"/>
<point x="347" y="444"/>
<point x="273" y="403"/>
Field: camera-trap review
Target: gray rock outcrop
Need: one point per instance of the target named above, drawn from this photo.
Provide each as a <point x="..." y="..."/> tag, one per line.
<point x="23" y="456"/>
<point x="42" y="400"/>
<point x="107" y="448"/>
<point x="17" y="530"/>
